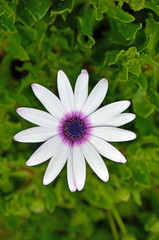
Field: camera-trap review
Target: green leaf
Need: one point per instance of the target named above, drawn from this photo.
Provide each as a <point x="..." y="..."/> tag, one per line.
<point x="113" y="56"/>
<point x="123" y="74"/>
<point x="6" y="23"/>
<point x="50" y="200"/>
<point x="28" y="36"/>
<point x="132" y="62"/>
<point x="37" y="205"/>
<point x="7" y="17"/>
<point x="146" y="59"/>
<point x="146" y="44"/>
<point x="15" y="49"/>
<point x="136" y="196"/>
<point x="154" y="98"/>
<point x="128" y="30"/>
<point x="87" y="22"/>
<point x="152" y="224"/>
<point x="150" y="139"/>
<point x="128" y="62"/>
<point x="137" y="5"/>
<point x="23" y="15"/>
<point x="118" y="13"/>
<point x="152" y="29"/>
<point x="141" y="80"/>
<point x="142" y="105"/>
<point x="100" y="8"/>
<point x="62" y="7"/>
<point x="153" y="6"/>
<point x="123" y="194"/>
<point x="86" y="25"/>
<point x="37" y="8"/>
<point x="7" y="129"/>
<point x="123" y="33"/>
<point x="123" y="16"/>
<point x="144" y="128"/>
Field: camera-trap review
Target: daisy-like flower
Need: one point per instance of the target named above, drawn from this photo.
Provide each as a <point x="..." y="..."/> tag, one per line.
<point x="74" y="131"/>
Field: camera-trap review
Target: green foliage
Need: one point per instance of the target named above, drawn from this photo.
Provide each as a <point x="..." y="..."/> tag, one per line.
<point x="115" y="39"/>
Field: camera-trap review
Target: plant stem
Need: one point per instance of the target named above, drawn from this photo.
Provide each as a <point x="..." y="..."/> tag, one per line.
<point x="119" y="220"/>
<point x="112" y="226"/>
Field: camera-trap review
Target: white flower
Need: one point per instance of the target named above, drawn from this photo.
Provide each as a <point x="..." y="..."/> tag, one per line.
<point x="74" y="131"/>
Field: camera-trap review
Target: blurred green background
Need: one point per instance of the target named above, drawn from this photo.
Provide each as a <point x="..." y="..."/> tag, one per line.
<point x="118" y="40"/>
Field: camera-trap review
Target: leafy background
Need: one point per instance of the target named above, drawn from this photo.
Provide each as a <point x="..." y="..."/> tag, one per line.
<point x="115" y="39"/>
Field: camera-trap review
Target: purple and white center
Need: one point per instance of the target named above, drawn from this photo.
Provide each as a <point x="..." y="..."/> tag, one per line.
<point x="74" y="129"/>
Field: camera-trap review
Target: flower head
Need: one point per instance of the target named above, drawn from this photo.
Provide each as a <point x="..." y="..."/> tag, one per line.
<point x="74" y="131"/>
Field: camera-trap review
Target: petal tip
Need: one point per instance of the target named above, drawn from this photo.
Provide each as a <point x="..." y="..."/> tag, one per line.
<point x="28" y="163"/>
<point x="123" y="160"/>
<point x="135" y="136"/>
<point x="31" y="162"/>
<point x="34" y="85"/>
<point x="104" y="80"/>
<point x="73" y="189"/>
<point x="84" y="71"/>
<point x="60" y="71"/>
<point x="14" y="138"/>
<point x="80" y="188"/>
<point x="45" y="182"/>
<point x="132" y="136"/>
<point x="19" y="111"/>
<point x="129" y="102"/>
<point x="106" y="178"/>
<point x="134" y="116"/>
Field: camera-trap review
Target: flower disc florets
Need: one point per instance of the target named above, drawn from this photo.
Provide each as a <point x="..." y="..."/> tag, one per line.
<point x="74" y="128"/>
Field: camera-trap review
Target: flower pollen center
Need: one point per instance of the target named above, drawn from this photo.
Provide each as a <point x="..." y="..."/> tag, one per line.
<point x="74" y="129"/>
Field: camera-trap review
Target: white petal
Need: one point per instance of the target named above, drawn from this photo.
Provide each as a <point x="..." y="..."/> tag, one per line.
<point x="79" y="167"/>
<point x="112" y="134"/>
<point x="120" y="120"/>
<point x="70" y="173"/>
<point x="95" y="161"/>
<point x="56" y="164"/>
<point x="107" y="112"/>
<point x="107" y="150"/>
<point x="37" y="117"/>
<point x="35" y="134"/>
<point x="96" y="97"/>
<point x="49" y="100"/>
<point x="81" y="90"/>
<point x="65" y="92"/>
<point x="45" y="151"/>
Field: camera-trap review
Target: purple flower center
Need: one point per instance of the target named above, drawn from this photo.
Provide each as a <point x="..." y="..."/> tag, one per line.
<point x="74" y="129"/>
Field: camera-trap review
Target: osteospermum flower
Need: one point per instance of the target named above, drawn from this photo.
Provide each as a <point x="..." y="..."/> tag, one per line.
<point x="74" y="131"/>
